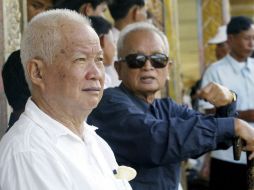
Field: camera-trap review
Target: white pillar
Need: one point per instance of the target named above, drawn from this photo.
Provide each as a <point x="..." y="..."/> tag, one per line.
<point x="10" y="22"/>
<point x="226" y="11"/>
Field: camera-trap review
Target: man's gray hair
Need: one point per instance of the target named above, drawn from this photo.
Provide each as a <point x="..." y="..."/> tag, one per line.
<point x="137" y="26"/>
<point x="43" y="35"/>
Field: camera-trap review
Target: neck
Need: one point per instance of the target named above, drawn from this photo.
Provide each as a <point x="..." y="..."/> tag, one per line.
<point x="120" y="24"/>
<point x="70" y="120"/>
<point x="147" y="98"/>
<point x="237" y="57"/>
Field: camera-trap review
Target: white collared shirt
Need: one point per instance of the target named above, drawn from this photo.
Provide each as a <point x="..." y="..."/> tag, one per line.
<point x="39" y="153"/>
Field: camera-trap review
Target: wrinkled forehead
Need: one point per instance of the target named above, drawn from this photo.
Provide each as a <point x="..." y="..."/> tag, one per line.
<point x="78" y="31"/>
<point x="81" y="37"/>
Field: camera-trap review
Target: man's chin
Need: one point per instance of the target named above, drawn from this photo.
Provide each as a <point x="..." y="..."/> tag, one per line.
<point x="151" y="90"/>
<point x="89" y="105"/>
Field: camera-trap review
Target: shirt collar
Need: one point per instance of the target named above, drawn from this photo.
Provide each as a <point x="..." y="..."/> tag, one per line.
<point x="237" y="66"/>
<point x="137" y="101"/>
<point x="52" y="127"/>
<point x="142" y="105"/>
<point x="250" y="64"/>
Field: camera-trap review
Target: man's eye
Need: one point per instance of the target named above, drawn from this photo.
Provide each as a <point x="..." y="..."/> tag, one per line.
<point x="247" y="38"/>
<point x="99" y="59"/>
<point x="81" y="59"/>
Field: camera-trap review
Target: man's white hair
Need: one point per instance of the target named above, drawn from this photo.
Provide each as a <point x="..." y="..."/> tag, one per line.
<point x="137" y="26"/>
<point x="43" y="35"/>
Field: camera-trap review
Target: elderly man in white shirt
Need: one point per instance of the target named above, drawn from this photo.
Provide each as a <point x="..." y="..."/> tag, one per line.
<point x="50" y="146"/>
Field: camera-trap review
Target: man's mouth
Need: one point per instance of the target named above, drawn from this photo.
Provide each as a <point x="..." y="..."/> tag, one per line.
<point x="147" y="79"/>
<point x="92" y="89"/>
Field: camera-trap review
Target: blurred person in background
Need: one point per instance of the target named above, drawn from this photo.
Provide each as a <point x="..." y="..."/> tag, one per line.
<point x="220" y="42"/>
<point x="85" y="7"/>
<point x="235" y="71"/>
<point x="35" y="7"/>
<point x="15" y="85"/>
<point x="124" y="12"/>
<point x="221" y="50"/>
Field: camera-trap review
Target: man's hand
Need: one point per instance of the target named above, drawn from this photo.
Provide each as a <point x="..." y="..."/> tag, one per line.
<point x="245" y="132"/>
<point x="216" y="94"/>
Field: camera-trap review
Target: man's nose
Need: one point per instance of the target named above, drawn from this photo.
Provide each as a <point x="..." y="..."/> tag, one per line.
<point x="148" y="65"/>
<point x="95" y="71"/>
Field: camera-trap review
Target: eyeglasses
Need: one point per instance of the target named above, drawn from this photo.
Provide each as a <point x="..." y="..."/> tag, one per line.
<point x="138" y="60"/>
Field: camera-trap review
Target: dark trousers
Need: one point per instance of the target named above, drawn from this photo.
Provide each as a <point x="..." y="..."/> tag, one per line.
<point x="227" y="175"/>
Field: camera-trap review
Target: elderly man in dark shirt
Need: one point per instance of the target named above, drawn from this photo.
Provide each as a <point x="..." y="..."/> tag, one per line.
<point x="155" y="135"/>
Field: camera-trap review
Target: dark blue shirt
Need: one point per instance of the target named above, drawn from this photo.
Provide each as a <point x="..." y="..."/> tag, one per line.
<point x="155" y="138"/>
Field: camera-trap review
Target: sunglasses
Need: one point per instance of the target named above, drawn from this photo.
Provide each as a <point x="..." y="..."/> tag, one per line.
<point x="138" y="60"/>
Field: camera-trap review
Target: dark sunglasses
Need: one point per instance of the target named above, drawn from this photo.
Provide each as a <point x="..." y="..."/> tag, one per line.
<point x="138" y="60"/>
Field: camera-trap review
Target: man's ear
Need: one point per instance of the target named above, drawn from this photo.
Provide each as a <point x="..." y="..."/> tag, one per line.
<point x="135" y="13"/>
<point x="230" y="38"/>
<point x="102" y="38"/>
<point x="35" y="69"/>
<point x="86" y="9"/>
<point x="118" y="68"/>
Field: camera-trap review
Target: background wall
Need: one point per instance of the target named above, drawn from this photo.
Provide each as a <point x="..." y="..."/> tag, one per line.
<point x="188" y="32"/>
<point x="10" y="34"/>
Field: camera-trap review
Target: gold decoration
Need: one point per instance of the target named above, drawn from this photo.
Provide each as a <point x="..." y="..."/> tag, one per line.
<point x="212" y="18"/>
